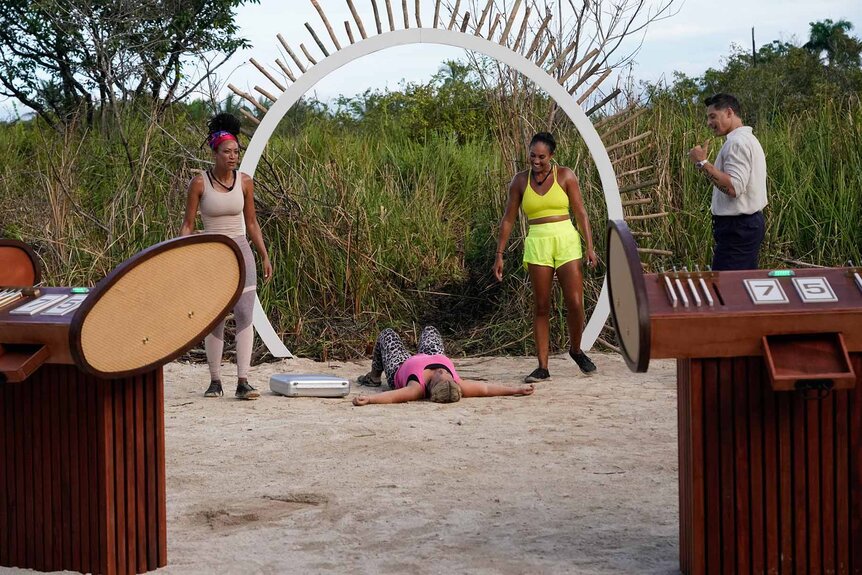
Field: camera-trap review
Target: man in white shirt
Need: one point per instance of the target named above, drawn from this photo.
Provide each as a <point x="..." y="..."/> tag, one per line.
<point x="739" y="186"/>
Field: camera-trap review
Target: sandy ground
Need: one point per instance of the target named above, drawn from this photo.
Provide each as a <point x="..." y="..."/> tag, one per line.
<point x="578" y="478"/>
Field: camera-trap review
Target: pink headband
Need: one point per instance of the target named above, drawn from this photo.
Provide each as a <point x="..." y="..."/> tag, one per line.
<point x="217" y="138"/>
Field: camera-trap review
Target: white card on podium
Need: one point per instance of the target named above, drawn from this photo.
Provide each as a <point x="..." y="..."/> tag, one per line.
<point x="38" y="304"/>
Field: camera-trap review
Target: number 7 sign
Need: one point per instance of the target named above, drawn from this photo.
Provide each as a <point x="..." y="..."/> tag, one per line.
<point x="766" y="291"/>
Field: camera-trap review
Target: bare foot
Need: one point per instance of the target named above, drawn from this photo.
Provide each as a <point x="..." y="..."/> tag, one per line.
<point x="360" y="400"/>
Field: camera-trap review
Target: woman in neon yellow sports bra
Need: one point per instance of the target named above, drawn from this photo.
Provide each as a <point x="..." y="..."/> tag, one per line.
<point x="547" y="192"/>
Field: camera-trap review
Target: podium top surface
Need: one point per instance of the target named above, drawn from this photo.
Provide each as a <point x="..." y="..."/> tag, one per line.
<point x="686" y="314"/>
<point x="146" y="312"/>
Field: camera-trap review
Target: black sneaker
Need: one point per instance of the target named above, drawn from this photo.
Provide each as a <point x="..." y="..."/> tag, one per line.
<point x="245" y="391"/>
<point x="369" y="381"/>
<point x="214" y="390"/>
<point x="585" y="363"/>
<point x="539" y="374"/>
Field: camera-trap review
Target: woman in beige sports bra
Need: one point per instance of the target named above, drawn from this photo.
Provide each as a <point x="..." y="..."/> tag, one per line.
<point x="225" y="198"/>
<point x="547" y="193"/>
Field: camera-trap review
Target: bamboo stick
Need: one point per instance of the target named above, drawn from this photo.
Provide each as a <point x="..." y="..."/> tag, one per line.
<point x="349" y="32"/>
<point x="542" y="27"/>
<point x="608" y="345"/>
<point x="624" y="123"/>
<point x="637" y="171"/>
<point x="483" y="17"/>
<point x="629" y="141"/>
<point x="326" y="23"/>
<point x="287" y="71"/>
<point x="307" y="54"/>
<point x="250" y="117"/>
<point x="589" y="74"/>
<point x="377" y="16"/>
<point x="466" y="22"/>
<point x="633" y="155"/>
<point x="638" y="186"/>
<point x="290" y="53"/>
<point x="248" y="97"/>
<point x="357" y="19"/>
<point x="547" y="51"/>
<point x="266" y="73"/>
<point x="653" y="251"/>
<point x="618" y="115"/>
<point x="317" y="40"/>
<point x="494" y="26"/>
<point x="646" y="216"/>
<point x="604" y="101"/>
<point x="595" y="85"/>
<point x="799" y="263"/>
<point x="404" y="13"/>
<point x="523" y="29"/>
<point x="509" y="21"/>
<point x="417" y="11"/>
<point x="637" y="202"/>
<point x="454" y="14"/>
<point x="562" y="56"/>
<point x="391" y="17"/>
<point x="642" y="234"/>
<point x="437" y="13"/>
<point x="577" y="65"/>
<point x="266" y="94"/>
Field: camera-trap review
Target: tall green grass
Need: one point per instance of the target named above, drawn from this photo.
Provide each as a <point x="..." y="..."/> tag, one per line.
<point x="374" y="228"/>
<point x="814" y="165"/>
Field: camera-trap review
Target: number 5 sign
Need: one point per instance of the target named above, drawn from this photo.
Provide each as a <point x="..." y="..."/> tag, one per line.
<point x="814" y="290"/>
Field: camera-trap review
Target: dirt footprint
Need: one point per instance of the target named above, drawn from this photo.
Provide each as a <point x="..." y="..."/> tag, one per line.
<point x="262" y="510"/>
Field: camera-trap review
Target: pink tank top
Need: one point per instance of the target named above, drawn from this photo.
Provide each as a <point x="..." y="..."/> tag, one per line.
<point x="221" y="212"/>
<point x="413" y="368"/>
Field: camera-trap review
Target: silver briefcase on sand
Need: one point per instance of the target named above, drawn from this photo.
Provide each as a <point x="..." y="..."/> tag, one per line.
<point x="309" y="385"/>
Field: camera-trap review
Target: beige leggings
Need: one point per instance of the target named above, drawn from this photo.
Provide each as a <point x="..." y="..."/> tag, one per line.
<point x="242" y="312"/>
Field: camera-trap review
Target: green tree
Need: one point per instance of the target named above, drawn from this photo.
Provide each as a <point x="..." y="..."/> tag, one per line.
<point x="832" y="39"/>
<point x="782" y="76"/>
<point x="64" y="57"/>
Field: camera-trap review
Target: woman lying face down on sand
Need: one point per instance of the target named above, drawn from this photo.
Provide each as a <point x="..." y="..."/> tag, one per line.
<point x="428" y="374"/>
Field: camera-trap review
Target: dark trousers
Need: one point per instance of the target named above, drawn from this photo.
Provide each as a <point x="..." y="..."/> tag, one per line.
<point x="737" y="241"/>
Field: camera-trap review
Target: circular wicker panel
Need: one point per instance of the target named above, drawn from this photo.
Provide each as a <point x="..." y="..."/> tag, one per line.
<point x="628" y="297"/>
<point x="159" y="307"/>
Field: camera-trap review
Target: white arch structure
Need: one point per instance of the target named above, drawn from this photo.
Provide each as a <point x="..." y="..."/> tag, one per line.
<point x="467" y="41"/>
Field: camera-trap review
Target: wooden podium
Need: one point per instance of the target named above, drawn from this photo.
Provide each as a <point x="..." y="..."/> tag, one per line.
<point x="82" y="448"/>
<point x="769" y="382"/>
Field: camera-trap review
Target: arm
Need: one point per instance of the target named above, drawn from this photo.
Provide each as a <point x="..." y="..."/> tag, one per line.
<point x="482" y="389"/>
<point x="411" y="392"/>
<point x="737" y="166"/>
<point x="251" y="225"/>
<point x="513" y="203"/>
<point x="576" y="201"/>
<point x="193" y="200"/>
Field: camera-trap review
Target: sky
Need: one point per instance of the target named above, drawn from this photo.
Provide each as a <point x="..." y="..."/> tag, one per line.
<point x="696" y="38"/>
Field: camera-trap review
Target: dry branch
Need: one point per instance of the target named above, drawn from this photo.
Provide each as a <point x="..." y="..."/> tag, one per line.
<point x="266" y="73"/>
<point x="290" y="53"/>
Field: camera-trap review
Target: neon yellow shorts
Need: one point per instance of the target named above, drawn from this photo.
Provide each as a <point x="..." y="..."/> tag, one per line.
<point x="552" y="244"/>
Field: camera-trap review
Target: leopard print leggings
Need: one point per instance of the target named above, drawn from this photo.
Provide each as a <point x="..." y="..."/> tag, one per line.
<point x="390" y="353"/>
